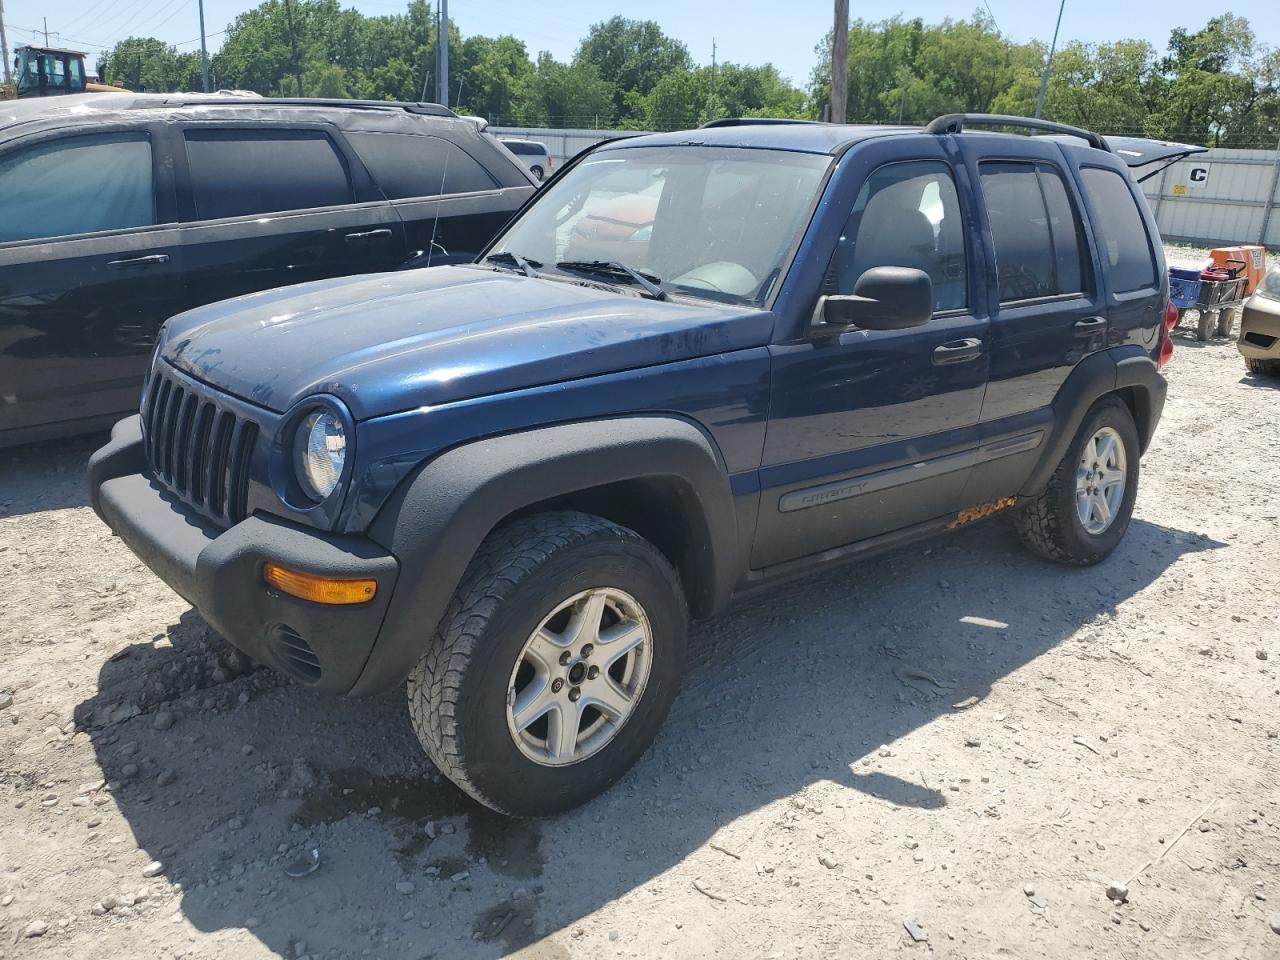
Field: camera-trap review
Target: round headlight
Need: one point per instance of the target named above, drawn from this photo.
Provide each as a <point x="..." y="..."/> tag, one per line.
<point x="320" y="450"/>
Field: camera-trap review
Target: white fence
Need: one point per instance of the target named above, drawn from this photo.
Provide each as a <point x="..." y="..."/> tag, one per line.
<point x="1223" y="196"/>
<point x="562" y="144"/>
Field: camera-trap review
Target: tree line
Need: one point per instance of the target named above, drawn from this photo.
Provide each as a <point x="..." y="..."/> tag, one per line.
<point x="1217" y="85"/>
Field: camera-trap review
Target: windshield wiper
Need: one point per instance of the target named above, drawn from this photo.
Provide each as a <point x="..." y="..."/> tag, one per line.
<point x="526" y="266"/>
<point x="617" y="270"/>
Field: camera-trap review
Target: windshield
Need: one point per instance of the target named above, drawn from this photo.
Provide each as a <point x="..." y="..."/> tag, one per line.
<point x="1270" y="286"/>
<point x="712" y="222"/>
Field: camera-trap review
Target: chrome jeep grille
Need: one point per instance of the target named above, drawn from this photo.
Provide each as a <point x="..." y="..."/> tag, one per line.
<point x="198" y="448"/>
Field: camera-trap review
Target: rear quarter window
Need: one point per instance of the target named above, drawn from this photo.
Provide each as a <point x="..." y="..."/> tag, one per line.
<point x="1120" y="229"/>
<point x="413" y="165"/>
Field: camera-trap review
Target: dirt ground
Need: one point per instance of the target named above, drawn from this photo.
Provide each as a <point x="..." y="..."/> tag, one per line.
<point x="955" y="742"/>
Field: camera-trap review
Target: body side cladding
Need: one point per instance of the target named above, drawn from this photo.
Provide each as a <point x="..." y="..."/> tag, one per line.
<point x="439" y="516"/>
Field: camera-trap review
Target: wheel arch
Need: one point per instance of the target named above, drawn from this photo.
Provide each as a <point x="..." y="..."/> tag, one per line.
<point x="660" y="476"/>
<point x="1126" y="373"/>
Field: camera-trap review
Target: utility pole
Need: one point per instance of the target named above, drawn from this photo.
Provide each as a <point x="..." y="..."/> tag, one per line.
<point x="711" y="102"/>
<point x="1048" y="65"/>
<point x="840" y="63"/>
<point x="46" y="31"/>
<point x="204" y="52"/>
<point x="4" y="46"/>
<point x="442" y="53"/>
<point x="293" y="45"/>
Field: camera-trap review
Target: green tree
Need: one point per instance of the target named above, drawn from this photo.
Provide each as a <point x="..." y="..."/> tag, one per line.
<point x="633" y="56"/>
<point x="150" y="65"/>
<point x="567" y="95"/>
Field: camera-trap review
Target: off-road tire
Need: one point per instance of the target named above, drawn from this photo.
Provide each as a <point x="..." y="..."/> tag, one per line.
<point x="1049" y="524"/>
<point x="1264" y="367"/>
<point x="523" y="571"/>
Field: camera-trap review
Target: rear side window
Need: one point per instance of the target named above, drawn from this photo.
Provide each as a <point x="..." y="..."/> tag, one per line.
<point x="76" y="185"/>
<point x="409" y="165"/>
<point x="906" y="215"/>
<point x="1121" y="232"/>
<point x="522" y="149"/>
<point x="1034" y="230"/>
<point x="239" y="173"/>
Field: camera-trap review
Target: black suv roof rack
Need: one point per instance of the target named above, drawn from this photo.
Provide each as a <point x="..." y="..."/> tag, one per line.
<point x="426" y="109"/>
<point x="751" y="122"/>
<point x="955" y="123"/>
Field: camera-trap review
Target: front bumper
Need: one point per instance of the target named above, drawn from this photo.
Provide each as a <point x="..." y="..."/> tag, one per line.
<point x="1260" y="329"/>
<point x="220" y="571"/>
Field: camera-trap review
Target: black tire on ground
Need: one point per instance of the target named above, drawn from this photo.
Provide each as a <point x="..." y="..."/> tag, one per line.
<point x="1207" y="325"/>
<point x="1227" y="322"/>
<point x="1050" y="525"/>
<point x="521" y="573"/>
<point x="1266" y="367"/>
<point x="537" y="171"/>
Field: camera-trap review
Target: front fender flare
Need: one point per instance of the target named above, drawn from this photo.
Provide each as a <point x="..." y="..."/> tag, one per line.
<point x="437" y="518"/>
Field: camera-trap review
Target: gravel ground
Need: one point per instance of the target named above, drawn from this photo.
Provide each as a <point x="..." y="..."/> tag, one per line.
<point x="955" y="742"/>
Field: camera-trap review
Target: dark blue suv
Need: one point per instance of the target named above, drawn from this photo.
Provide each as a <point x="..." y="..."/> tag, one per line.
<point x="695" y="363"/>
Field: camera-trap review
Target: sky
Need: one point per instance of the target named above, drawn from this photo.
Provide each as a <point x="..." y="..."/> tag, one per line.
<point x="744" y="31"/>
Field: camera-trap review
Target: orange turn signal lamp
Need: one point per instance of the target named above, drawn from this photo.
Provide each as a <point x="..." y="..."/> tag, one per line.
<point x="309" y="586"/>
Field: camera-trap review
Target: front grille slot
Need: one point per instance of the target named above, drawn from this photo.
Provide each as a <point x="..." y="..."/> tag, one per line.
<point x="198" y="449"/>
<point x="1259" y="340"/>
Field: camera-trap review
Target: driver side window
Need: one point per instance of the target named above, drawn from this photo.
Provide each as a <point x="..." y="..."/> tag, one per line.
<point x="906" y="215"/>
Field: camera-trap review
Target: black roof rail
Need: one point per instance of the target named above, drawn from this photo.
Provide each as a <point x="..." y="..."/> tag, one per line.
<point x="955" y="123"/>
<point x="751" y="122"/>
<point x="426" y="109"/>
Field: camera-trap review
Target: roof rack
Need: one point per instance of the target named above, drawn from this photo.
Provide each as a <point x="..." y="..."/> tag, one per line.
<point x="426" y="109"/>
<point x="751" y="122"/>
<point x="955" y="123"/>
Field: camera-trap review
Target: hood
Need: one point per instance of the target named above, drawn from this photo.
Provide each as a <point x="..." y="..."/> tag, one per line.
<point x="388" y="342"/>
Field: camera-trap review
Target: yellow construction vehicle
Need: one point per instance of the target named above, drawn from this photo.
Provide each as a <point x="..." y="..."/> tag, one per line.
<point x="50" y="71"/>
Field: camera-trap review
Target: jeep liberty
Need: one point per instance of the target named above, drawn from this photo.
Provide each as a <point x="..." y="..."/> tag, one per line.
<point x="694" y="363"/>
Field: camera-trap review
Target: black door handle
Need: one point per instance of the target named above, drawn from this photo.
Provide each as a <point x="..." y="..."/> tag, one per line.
<point x="367" y="235"/>
<point x="1090" y="325"/>
<point x="151" y="260"/>
<point x="957" y="351"/>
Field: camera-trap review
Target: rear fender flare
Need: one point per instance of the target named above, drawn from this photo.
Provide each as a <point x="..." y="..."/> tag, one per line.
<point x="1128" y="373"/>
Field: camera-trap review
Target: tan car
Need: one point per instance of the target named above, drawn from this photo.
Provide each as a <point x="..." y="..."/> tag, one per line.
<point x="1259" y="341"/>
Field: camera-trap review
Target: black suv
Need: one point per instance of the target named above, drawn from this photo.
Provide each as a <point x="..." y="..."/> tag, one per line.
<point x="695" y="364"/>
<point x="118" y="211"/>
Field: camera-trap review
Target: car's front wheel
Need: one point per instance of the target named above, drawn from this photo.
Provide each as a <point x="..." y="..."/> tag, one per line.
<point x="554" y="666"/>
<point x="1084" y="511"/>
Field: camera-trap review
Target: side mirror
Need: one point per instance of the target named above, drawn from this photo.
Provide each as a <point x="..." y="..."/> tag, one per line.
<point x="884" y="298"/>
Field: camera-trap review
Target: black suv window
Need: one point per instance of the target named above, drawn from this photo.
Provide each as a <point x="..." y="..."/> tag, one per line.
<point x="1120" y="229"/>
<point x="1034" y="230"/>
<point x="237" y="173"/>
<point x="409" y="165"/>
<point x="906" y="215"/>
<point x="76" y="185"/>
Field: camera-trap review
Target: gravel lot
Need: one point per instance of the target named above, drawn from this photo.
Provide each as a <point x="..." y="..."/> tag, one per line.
<point x="955" y="741"/>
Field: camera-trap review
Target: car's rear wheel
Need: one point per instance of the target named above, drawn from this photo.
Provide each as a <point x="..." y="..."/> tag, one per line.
<point x="1084" y="511"/>
<point x="554" y="666"/>
<point x="537" y="171"/>
<point x="1267" y="367"/>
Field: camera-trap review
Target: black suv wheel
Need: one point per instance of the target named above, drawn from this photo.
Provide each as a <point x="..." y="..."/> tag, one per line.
<point x="1083" y="513"/>
<point x="554" y="666"/>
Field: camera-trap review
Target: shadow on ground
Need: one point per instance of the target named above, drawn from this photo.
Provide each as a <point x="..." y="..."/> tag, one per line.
<point x="796" y="686"/>
<point x="45" y="476"/>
